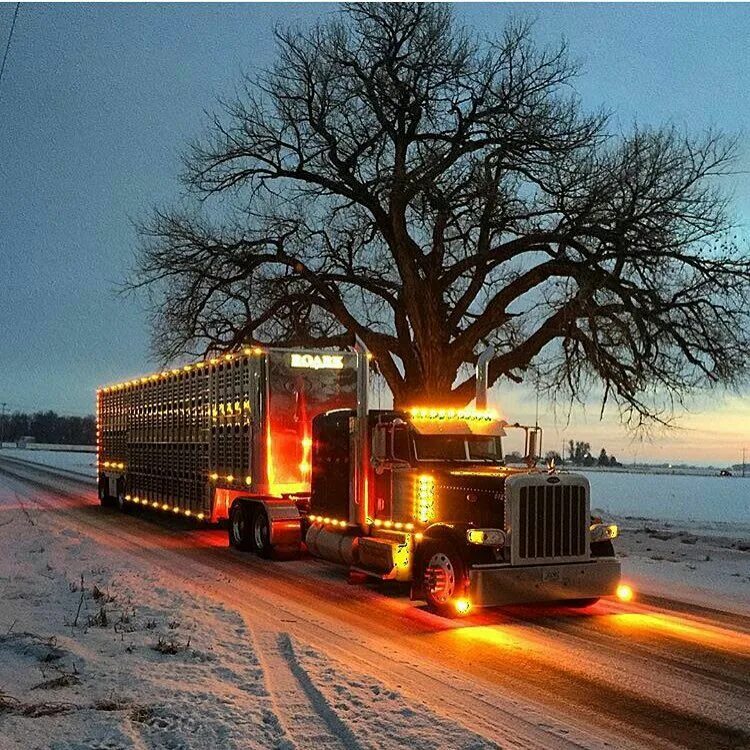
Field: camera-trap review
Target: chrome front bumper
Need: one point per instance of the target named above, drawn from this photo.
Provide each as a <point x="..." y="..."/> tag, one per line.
<point x="498" y="585"/>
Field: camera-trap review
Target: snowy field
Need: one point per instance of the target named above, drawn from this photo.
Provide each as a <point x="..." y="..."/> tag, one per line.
<point x="672" y="497"/>
<point x="75" y="461"/>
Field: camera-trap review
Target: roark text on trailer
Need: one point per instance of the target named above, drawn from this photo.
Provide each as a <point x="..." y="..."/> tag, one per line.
<point x="282" y="446"/>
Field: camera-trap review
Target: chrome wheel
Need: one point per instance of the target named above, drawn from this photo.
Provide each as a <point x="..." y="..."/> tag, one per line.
<point x="440" y="578"/>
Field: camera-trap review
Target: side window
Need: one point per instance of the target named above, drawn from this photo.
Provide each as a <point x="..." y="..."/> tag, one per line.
<point x="400" y="443"/>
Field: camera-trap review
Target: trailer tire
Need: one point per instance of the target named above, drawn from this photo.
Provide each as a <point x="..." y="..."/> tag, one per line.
<point x="443" y="576"/>
<point x="105" y="498"/>
<point x="122" y="505"/>
<point x="262" y="533"/>
<point x="240" y="532"/>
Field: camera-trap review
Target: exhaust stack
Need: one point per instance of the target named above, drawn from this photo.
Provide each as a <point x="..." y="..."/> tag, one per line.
<point x="482" y="376"/>
<point x="360" y="443"/>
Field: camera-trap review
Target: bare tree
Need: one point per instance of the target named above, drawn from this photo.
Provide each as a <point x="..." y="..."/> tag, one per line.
<point x="396" y="177"/>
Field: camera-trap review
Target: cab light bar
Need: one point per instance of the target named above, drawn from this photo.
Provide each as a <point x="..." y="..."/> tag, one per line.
<point x="422" y="412"/>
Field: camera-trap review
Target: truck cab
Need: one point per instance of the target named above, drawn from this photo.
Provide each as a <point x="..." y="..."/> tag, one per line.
<point x="445" y="512"/>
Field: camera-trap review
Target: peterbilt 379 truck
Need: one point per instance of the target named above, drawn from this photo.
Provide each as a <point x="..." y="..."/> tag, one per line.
<point x="281" y="446"/>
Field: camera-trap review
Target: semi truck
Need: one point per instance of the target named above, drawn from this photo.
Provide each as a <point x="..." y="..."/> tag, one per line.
<point x="281" y="447"/>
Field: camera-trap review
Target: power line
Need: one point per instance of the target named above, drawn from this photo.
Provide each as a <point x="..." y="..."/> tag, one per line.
<point x="10" y="37"/>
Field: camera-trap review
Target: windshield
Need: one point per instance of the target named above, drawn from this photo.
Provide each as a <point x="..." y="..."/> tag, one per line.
<point x="454" y="448"/>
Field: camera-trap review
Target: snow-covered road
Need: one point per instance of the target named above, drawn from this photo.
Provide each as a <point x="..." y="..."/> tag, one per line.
<point x="184" y="643"/>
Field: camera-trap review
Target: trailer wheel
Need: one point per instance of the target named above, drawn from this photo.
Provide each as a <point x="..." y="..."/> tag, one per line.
<point x="239" y="527"/>
<point x="103" y="491"/>
<point x="262" y="533"/>
<point x="443" y="575"/>
<point x="122" y="505"/>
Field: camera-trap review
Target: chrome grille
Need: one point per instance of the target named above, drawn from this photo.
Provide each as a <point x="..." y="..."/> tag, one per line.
<point x="552" y="522"/>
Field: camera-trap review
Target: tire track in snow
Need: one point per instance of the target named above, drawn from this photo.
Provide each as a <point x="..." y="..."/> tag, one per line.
<point x="303" y="713"/>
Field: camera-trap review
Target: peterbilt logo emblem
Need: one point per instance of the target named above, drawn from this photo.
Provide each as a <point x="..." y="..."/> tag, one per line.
<point x="318" y="361"/>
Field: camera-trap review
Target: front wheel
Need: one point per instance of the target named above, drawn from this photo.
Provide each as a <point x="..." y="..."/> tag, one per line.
<point x="443" y="578"/>
<point x="239" y="527"/>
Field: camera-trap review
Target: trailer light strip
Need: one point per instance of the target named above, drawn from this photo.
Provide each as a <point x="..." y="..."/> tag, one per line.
<point x="113" y="465"/>
<point x="178" y="371"/>
<point x="230" y="478"/>
<point x="327" y="521"/>
<point x="163" y="506"/>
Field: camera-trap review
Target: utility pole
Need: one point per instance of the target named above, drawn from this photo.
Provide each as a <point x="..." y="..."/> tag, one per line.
<point x="2" y="422"/>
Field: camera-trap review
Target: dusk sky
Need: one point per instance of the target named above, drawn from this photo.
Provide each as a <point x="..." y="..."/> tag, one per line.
<point x="98" y="101"/>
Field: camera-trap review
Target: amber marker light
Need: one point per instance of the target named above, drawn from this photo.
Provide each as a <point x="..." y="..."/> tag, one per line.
<point x="462" y="606"/>
<point x="624" y="593"/>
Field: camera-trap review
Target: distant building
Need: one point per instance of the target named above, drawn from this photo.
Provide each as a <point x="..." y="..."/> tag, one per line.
<point x="25" y="440"/>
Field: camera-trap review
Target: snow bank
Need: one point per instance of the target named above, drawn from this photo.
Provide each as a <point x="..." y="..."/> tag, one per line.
<point x="704" y="564"/>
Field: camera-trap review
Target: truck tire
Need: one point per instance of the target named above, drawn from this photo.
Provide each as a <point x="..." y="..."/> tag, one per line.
<point x="122" y="505"/>
<point x="443" y="577"/>
<point x="105" y="498"/>
<point x="262" y="533"/>
<point x="240" y="532"/>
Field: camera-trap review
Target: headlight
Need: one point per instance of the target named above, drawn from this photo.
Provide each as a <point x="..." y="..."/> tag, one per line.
<point x="601" y="532"/>
<point x="489" y="537"/>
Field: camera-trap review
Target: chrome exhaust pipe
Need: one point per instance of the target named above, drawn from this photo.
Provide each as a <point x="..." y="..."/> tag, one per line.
<point x="482" y="376"/>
